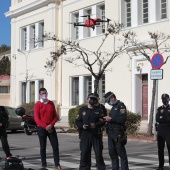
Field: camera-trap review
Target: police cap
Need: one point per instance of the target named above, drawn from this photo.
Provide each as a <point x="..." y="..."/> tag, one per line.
<point x="165" y="96"/>
<point x="108" y="95"/>
<point x="91" y="95"/>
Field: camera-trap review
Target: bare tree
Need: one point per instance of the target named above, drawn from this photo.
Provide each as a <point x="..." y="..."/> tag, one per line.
<point x="158" y="44"/>
<point x="90" y="59"/>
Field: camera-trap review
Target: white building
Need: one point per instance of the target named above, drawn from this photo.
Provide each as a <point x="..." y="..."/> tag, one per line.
<point x="129" y="77"/>
<point x="29" y="21"/>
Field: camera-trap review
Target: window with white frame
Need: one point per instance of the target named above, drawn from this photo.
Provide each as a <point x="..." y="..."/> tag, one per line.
<point x="126" y="13"/>
<point x="75" y="90"/>
<point x="41" y="84"/>
<point x="87" y="31"/>
<point x="101" y="15"/>
<point x="32" y="91"/>
<point x="24" y="38"/>
<point x="102" y="89"/>
<point x="4" y="89"/>
<point x="40" y="34"/>
<point x="30" y="38"/>
<point x="163" y="9"/>
<point x="88" y="86"/>
<point x="145" y="11"/>
<point x="75" y="29"/>
<point x="23" y="92"/>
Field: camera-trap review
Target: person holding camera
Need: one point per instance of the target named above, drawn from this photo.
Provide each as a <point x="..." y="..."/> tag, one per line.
<point x="3" y="135"/>
<point x="163" y="121"/>
<point x="89" y="123"/>
<point x="117" y="138"/>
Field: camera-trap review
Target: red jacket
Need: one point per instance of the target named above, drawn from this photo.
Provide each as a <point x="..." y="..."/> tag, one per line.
<point x="45" y="114"/>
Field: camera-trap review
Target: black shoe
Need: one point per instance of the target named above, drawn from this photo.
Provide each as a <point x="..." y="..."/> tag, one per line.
<point x="160" y="168"/>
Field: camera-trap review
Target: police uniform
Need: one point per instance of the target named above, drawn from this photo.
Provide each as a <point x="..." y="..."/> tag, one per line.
<point x="90" y="137"/>
<point x="117" y="138"/>
<point x="163" y="120"/>
<point x="3" y="135"/>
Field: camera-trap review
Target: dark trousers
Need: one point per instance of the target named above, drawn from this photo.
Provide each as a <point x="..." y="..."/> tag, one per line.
<point x="4" y="141"/>
<point x="161" y="145"/>
<point x="43" y="134"/>
<point x="116" y="150"/>
<point x="87" y="141"/>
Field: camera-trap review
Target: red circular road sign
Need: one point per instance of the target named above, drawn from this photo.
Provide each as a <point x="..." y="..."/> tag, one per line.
<point x="157" y="61"/>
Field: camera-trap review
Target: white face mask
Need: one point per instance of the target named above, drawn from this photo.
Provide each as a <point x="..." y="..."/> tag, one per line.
<point x="44" y="96"/>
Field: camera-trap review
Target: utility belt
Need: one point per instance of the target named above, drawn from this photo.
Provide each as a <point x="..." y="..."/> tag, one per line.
<point x="116" y="127"/>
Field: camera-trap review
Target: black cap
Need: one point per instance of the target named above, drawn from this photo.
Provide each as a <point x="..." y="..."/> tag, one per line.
<point x="165" y="96"/>
<point x="91" y="95"/>
<point x="95" y="94"/>
<point x="108" y="95"/>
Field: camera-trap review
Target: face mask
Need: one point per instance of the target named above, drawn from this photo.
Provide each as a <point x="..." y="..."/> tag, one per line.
<point x="92" y="101"/>
<point x="165" y="102"/>
<point x="44" y="96"/>
<point x="111" y="103"/>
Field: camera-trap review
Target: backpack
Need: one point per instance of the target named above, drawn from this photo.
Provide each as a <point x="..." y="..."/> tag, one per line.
<point x="14" y="163"/>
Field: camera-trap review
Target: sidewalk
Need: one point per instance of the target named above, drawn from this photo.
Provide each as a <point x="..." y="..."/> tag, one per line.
<point x="65" y="126"/>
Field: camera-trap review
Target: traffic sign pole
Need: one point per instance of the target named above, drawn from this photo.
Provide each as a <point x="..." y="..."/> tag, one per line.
<point x="156" y="62"/>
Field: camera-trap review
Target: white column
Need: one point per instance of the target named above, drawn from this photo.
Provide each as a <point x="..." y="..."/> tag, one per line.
<point x="134" y="13"/>
<point x="36" y="90"/>
<point x="28" y="92"/>
<point x="152" y="10"/>
<point x="81" y="19"/>
<point x="94" y="12"/>
<point x="81" y="89"/>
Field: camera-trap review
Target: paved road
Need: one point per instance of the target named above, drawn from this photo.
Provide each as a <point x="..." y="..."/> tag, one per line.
<point x="141" y="155"/>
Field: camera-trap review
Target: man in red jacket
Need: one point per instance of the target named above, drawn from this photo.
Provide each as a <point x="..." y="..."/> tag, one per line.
<point x="45" y="117"/>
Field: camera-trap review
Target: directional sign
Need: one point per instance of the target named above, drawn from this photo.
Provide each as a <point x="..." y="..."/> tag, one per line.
<point x="157" y="61"/>
<point x="156" y="74"/>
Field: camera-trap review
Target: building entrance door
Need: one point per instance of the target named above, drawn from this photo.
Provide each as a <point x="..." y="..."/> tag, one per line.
<point x="145" y="97"/>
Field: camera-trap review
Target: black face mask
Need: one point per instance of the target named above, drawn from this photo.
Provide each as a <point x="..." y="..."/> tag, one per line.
<point x="165" y="102"/>
<point x="92" y="101"/>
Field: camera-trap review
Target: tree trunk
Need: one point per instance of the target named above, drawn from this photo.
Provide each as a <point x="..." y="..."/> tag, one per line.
<point x="150" y="124"/>
<point x="96" y="86"/>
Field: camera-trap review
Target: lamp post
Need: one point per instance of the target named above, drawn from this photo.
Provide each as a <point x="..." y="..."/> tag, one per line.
<point x="26" y="72"/>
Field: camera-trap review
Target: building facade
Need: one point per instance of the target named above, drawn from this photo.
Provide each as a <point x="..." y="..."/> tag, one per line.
<point x="128" y="76"/>
<point x="30" y="20"/>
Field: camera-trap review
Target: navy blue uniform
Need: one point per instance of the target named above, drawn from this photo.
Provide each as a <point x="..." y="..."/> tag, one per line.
<point x="3" y="135"/>
<point x="90" y="137"/>
<point x="163" y="118"/>
<point x="116" y="136"/>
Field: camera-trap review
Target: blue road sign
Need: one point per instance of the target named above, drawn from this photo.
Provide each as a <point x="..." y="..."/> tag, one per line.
<point x="157" y="61"/>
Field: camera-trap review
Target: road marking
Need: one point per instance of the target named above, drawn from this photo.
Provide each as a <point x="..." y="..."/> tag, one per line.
<point x="154" y="156"/>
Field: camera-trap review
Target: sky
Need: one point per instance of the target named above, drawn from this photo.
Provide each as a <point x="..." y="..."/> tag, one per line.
<point x="5" y="26"/>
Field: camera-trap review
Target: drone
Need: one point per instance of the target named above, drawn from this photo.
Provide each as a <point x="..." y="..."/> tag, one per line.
<point x="90" y="22"/>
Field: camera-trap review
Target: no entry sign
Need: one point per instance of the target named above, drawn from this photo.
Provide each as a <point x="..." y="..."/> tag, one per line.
<point x="157" y="61"/>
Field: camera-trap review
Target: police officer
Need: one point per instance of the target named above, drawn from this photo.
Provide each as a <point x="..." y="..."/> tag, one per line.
<point x="163" y="120"/>
<point x="116" y="131"/>
<point x="3" y="135"/>
<point x="89" y="122"/>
